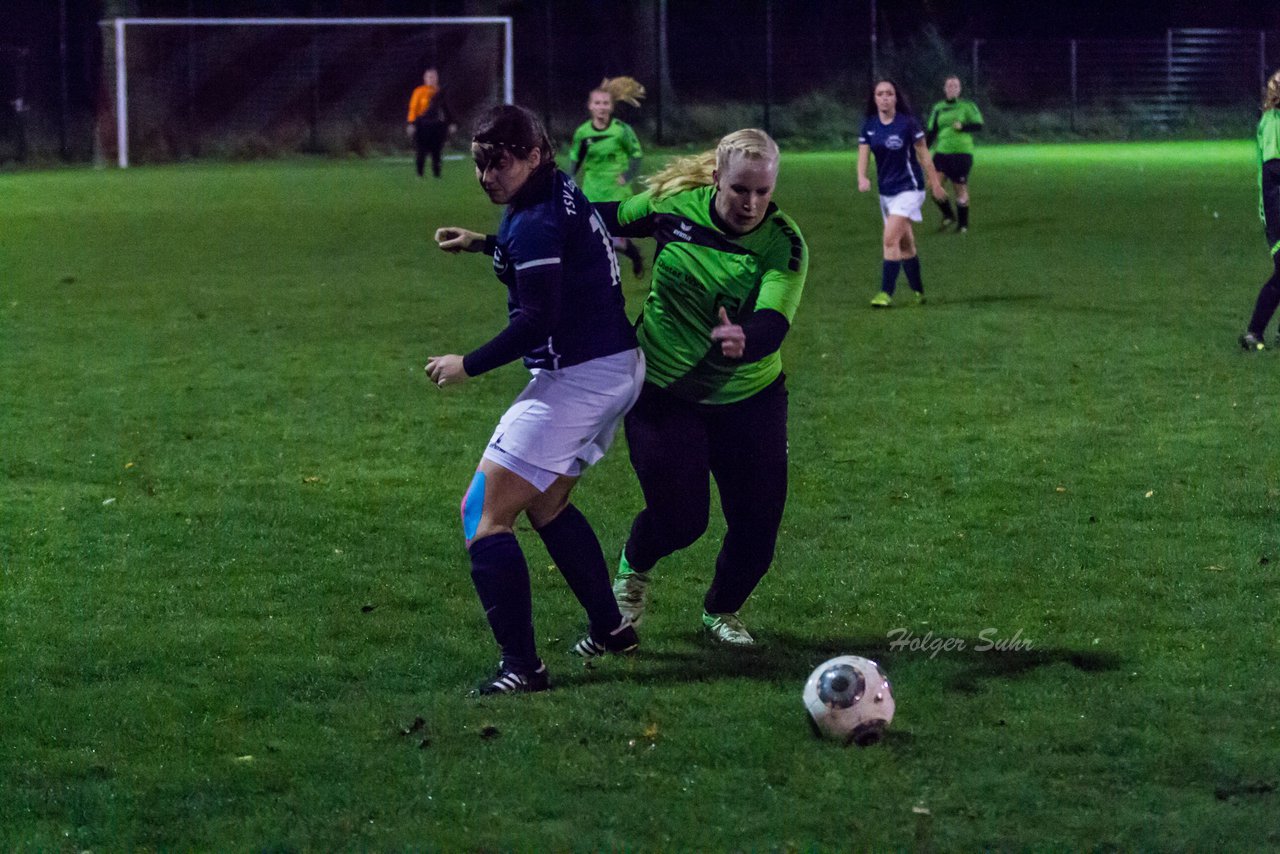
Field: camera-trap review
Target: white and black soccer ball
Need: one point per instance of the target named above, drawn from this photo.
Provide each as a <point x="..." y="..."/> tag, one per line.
<point x="849" y="699"/>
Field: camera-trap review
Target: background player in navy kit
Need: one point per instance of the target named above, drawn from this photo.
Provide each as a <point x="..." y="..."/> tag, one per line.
<point x="566" y="319"/>
<point x="895" y="137"/>
<point x="1269" y="209"/>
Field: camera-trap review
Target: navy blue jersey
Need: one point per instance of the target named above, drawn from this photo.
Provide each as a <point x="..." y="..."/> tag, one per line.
<point x="894" y="147"/>
<point x="564" y="294"/>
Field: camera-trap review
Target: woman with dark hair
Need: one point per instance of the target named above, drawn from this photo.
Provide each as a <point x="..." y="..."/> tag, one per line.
<point x="895" y="137"/>
<point x="1269" y="209"/>
<point x="566" y="320"/>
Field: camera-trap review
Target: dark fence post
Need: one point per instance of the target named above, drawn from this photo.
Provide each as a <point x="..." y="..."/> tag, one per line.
<point x="768" y="63"/>
<point x="1074" y="83"/>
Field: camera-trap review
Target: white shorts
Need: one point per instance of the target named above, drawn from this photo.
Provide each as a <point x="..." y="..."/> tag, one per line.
<point x="906" y="204"/>
<point x="565" y="419"/>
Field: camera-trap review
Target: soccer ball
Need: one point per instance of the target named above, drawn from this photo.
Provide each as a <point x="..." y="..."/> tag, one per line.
<point x="849" y="699"/>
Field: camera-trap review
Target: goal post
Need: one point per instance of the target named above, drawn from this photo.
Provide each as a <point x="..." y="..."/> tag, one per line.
<point x="182" y="87"/>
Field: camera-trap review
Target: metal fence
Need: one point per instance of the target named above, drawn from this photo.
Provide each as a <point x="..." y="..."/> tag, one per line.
<point x="1161" y="78"/>
<point x="806" y="78"/>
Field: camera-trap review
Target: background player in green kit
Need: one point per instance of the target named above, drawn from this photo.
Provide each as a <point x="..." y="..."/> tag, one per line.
<point x="727" y="278"/>
<point x="950" y="130"/>
<point x="608" y="153"/>
<point x="1269" y="209"/>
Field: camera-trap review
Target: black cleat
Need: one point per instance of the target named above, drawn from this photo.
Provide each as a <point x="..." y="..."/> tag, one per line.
<point x="623" y="639"/>
<point x="507" y="681"/>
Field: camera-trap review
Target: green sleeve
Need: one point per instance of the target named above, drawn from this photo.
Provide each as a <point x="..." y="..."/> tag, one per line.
<point x="975" y="115"/>
<point x="931" y="125"/>
<point x="635" y="208"/>
<point x="782" y="283"/>
<point x="1269" y="137"/>
<point x="631" y="143"/>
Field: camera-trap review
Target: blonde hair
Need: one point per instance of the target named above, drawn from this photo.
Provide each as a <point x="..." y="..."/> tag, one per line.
<point x="687" y="173"/>
<point x="622" y="89"/>
<point x="1271" y="97"/>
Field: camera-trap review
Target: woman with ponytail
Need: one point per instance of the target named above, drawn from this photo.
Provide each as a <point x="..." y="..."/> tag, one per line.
<point x="607" y="151"/>
<point x="1269" y="209"/>
<point x="728" y="273"/>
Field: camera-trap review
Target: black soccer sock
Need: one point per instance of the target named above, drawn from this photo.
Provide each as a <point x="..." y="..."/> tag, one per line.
<point x="1268" y="299"/>
<point x="945" y="207"/>
<point x="889" y="276"/>
<point x="911" y="266"/>
<point x="962" y="220"/>
<point x="637" y="260"/>
<point x="576" y="551"/>
<point x="501" y="578"/>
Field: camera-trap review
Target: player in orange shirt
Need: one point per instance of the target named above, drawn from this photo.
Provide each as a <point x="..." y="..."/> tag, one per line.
<point x="429" y="121"/>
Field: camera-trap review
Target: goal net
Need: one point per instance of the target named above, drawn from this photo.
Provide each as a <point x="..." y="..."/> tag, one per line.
<point x="243" y="87"/>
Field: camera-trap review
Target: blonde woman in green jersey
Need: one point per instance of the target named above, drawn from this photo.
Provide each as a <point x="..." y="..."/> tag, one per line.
<point x="1269" y="209"/>
<point x="727" y="278"/>
<point x="949" y="131"/>
<point x="608" y="153"/>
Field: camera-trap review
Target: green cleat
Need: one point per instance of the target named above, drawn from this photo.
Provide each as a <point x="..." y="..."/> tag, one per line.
<point x="1249" y="341"/>
<point x="881" y="300"/>
<point x="631" y="590"/>
<point x="727" y="629"/>
<point x="917" y="297"/>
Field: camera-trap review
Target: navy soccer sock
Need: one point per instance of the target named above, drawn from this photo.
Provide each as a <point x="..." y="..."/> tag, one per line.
<point x="911" y="266"/>
<point x="574" y="547"/>
<point x="501" y="578"/>
<point x="945" y="207"/>
<point x="963" y="218"/>
<point x="889" y="276"/>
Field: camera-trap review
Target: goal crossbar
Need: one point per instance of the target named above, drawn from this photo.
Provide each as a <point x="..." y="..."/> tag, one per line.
<point x="120" y="24"/>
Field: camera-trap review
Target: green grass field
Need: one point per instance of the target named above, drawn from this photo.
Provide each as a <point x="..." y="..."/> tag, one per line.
<point x="233" y="577"/>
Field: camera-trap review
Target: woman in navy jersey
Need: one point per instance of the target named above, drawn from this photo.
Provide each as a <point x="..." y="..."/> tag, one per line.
<point x="903" y="165"/>
<point x="566" y="321"/>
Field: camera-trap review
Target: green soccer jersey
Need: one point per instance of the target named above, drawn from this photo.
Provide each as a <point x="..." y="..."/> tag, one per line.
<point x="1268" y="149"/>
<point x="699" y="268"/>
<point x="942" y="121"/>
<point x="603" y="155"/>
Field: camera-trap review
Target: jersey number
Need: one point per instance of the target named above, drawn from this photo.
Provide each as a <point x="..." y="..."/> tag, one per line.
<point x="597" y="225"/>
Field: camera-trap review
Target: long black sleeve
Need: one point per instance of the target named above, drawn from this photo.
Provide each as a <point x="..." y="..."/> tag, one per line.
<point x="765" y="330"/>
<point x="530" y="325"/>
<point x="1271" y="195"/>
<point x="608" y="211"/>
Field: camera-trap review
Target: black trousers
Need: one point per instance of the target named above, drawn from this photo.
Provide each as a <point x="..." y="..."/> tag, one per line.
<point x="429" y="136"/>
<point x="676" y="447"/>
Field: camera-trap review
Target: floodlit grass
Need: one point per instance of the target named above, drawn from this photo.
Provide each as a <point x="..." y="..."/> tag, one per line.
<point x="233" y="578"/>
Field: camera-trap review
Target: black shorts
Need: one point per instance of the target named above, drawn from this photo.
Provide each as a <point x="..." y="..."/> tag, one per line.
<point x="954" y="166"/>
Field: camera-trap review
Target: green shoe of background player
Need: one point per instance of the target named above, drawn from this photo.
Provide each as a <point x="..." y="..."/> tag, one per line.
<point x="1249" y="341"/>
<point x="881" y="300"/>
<point x="727" y="629"/>
<point x="631" y="590"/>
<point x="917" y="297"/>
